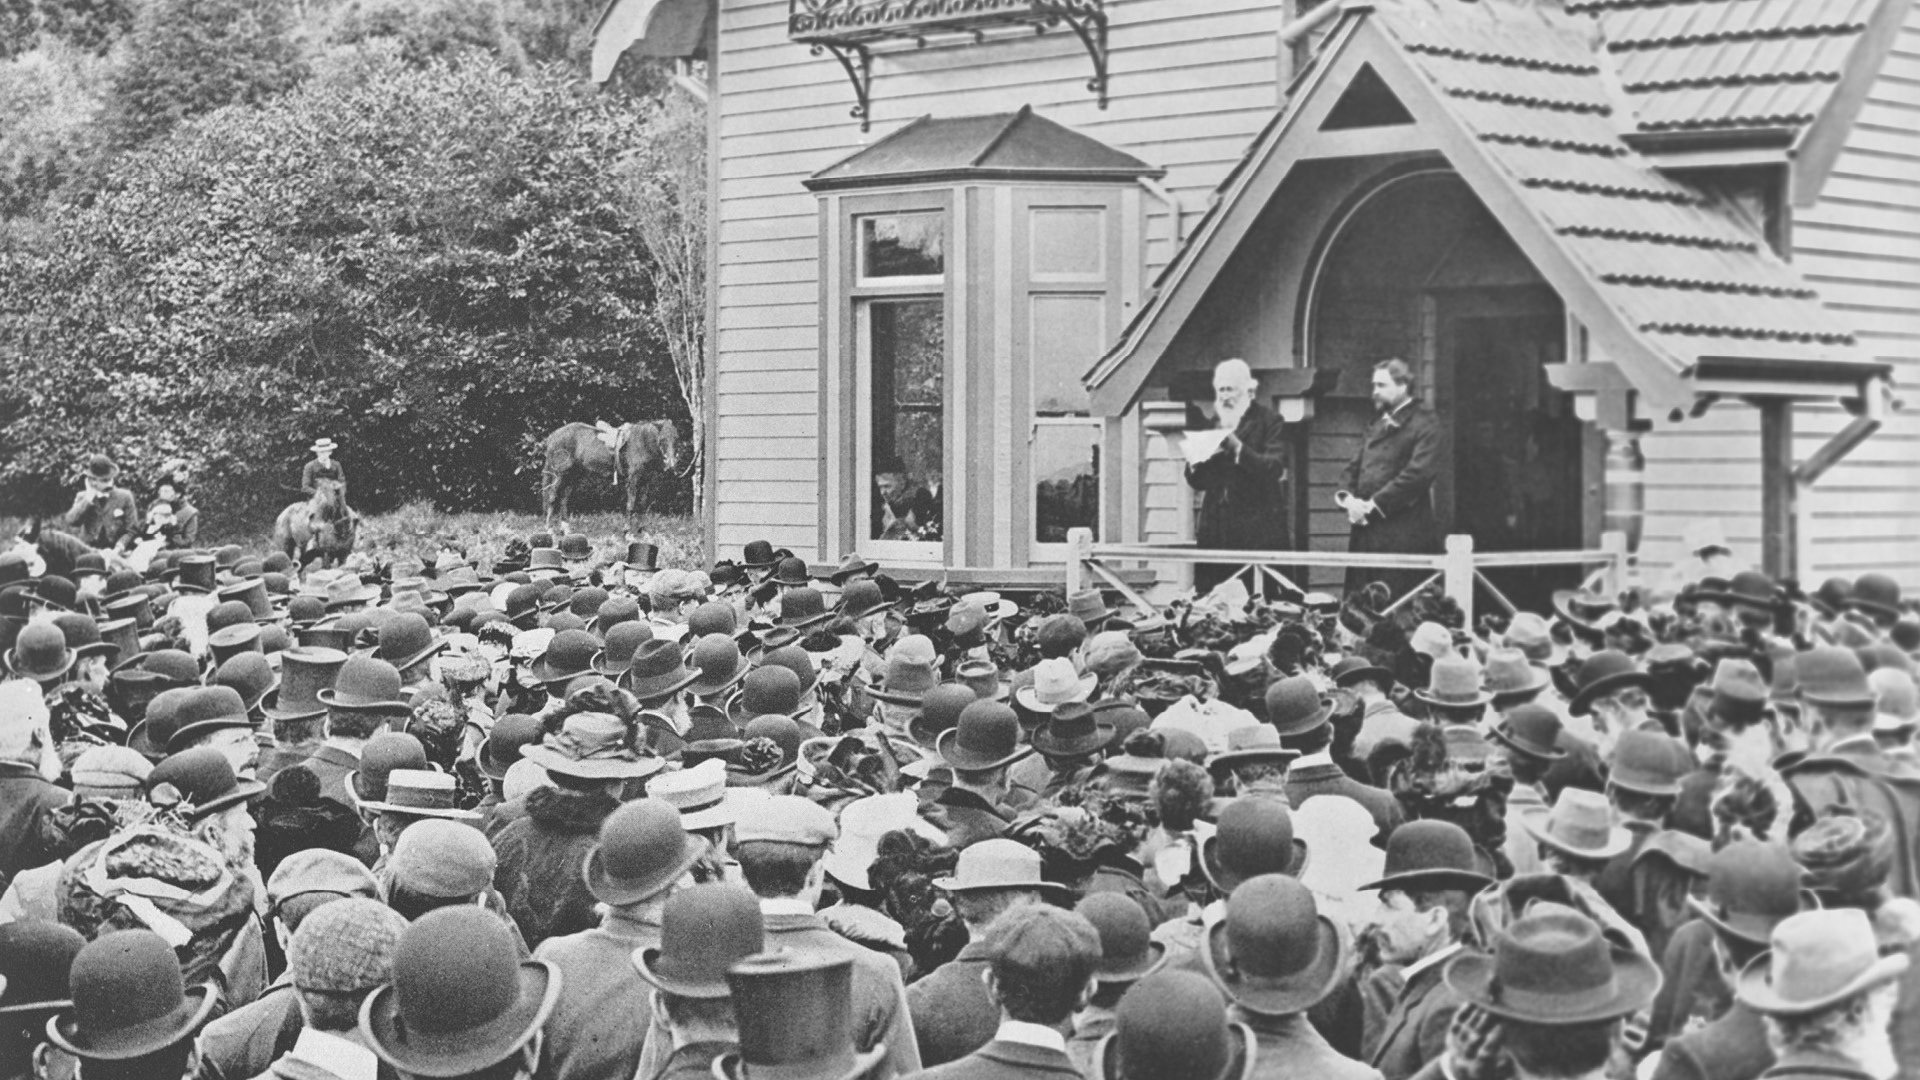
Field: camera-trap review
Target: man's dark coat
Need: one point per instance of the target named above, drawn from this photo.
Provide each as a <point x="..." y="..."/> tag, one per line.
<point x="102" y="522"/>
<point x="1305" y="782"/>
<point x="1241" y="505"/>
<point x="25" y="800"/>
<point x="1395" y="469"/>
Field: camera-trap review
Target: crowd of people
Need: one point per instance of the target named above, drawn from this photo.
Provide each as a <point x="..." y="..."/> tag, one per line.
<point x="574" y="814"/>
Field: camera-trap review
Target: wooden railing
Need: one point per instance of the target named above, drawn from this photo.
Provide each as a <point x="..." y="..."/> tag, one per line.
<point x="1458" y="570"/>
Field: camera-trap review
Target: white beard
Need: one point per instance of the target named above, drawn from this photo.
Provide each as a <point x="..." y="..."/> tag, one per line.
<point x="1230" y="418"/>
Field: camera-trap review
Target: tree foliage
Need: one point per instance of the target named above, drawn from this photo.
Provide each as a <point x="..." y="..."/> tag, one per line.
<point x="185" y="58"/>
<point x="435" y="267"/>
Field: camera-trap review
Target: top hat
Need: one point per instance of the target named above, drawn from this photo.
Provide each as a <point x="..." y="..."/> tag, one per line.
<point x="999" y="864"/>
<point x="1604" y="673"/>
<point x="1580" y="825"/>
<point x="1055" y="682"/>
<point x="912" y="669"/>
<point x="304" y="671"/>
<point x="704" y="930"/>
<point x="1649" y="762"/>
<point x="1552" y="967"/>
<point x="1295" y="706"/>
<point x="1072" y="731"/>
<point x="1751" y="887"/>
<point x="757" y="554"/>
<point x="1818" y="959"/>
<point x="986" y="736"/>
<point x="1274" y="954"/>
<point x="461" y="999"/>
<point x="1254" y="837"/>
<point x="193" y="573"/>
<point x="1173" y="1024"/>
<point x="1454" y="683"/>
<point x="1430" y="855"/>
<point x="251" y="592"/>
<point x="1531" y="729"/>
<point x="641" y="556"/>
<point x="851" y="567"/>
<point x="643" y="849"/>
<point x="128" y="999"/>
<point x="795" y="1020"/>
<point x="1127" y="950"/>
<point x="1833" y="676"/>
<point x="592" y="746"/>
<point x="1251" y="744"/>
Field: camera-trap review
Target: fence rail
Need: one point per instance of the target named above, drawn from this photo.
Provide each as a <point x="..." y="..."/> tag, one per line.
<point x="1458" y="569"/>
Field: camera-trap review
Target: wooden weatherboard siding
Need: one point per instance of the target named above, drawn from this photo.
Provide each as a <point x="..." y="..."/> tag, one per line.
<point x="1192" y="82"/>
<point x="1859" y="245"/>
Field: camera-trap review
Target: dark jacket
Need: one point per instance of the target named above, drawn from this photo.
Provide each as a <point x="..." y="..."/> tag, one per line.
<point x="25" y="799"/>
<point x="1395" y="469"/>
<point x="600" y="1023"/>
<point x="103" y="522"/>
<point x="1242" y="504"/>
<point x="953" y="1015"/>
<point x="1415" y="1032"/>
<point x="246" y="1041"/>
<point x="1815" y="1065"/>
<point x="332" y="764"/>
<point x="693" y="1061"/>
<point x="541" y="855"/>
<point x="1692" y="992"/>
<point x="314" y="471"/>
<point x="1331" y="779"/>
<point x="1856" y="774"/>
<point x="1290" y="1047"/>
<point x="1007" y="1061"/>
<point x="1733" y="1047"/>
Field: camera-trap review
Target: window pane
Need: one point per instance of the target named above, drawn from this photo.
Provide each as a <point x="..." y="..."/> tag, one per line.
<point x="1066" y="480"/>
<point x="908" y="352"/>
<point x="1067" y="334"/>
<point x="1069" y="243"/>
<point x="903" y="245"/>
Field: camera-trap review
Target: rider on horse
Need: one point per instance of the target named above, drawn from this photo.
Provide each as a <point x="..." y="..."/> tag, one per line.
<point x="322" y="467"/>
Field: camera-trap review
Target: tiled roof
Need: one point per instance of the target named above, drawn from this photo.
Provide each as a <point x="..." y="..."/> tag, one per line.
<point x="1695" y="65"/>
<point x="1685" y="275"/>
<point x="1017" y="143"/>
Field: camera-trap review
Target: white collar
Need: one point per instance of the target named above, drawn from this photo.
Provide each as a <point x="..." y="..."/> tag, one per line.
<point x="1040" y="1035"/>
<point x="785" y="905"/>
<point x="340" y="1056"/>
<point x="1324" y="757"/>
<point x="1427" y="961"/>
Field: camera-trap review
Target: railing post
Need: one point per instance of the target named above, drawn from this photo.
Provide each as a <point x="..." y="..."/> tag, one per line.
<point x="1615" y="545"/>
<point x="1459" y="573"/>
<point x="1079" y="550"/>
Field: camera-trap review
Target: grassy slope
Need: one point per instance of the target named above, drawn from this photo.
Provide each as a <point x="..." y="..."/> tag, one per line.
<point x="419" y="529"/>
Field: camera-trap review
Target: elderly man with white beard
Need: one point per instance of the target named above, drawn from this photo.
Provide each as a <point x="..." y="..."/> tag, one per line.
<point x="1242" y="505"/>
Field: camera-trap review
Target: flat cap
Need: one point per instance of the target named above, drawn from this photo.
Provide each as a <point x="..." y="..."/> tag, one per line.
<point x="1040" y="935"/>
<point x="443" y="859"/>
<point x="787" y="819"/>
<point x="345" y="946"/>
<point x="318" y="870"/>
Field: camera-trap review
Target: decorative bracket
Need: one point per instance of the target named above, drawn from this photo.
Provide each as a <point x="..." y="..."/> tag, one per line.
<point x="1089" y="23"/>
<point x="857" y="59"/>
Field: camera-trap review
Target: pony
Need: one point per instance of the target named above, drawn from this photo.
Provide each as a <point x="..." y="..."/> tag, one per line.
<point x="320" y="528"/>
<point x="620" y="455"/>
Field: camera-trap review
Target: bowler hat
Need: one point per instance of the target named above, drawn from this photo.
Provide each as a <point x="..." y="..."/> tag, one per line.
<point x="461" y="999"/>
<point x="157" y="723"/>
<point x="101" y="467"/>
<point x="1739" y="693"/>
<point x="128" y="999"/>
<point x="1530" y="729"/>
<point x="1254" y="837"/>
<point x="592" y="746"/>
<point x="545" y="560"/>
<point x="1649" y="762"/>
<point x="203" y="778"/>
<point x="791" y="571"/>
<point x="1274" y="954"/>
<point x="203" y="711"/>
<point x="1251" y="744"/>
<point x="1830" y="599"/>
<point x="643" y="849"/>
<point x="986" y="736"/>
<point x="569" y="655"/>
<point x="1295" y="706"/>
<point x="56" y="592"/>
<point x="616" y="611"/>
<point x="1751" y="887"/>
<point x="1355" y="669"/>
<point x="1818" y="959"/>
<point x="861" y="598"/>
<point x="1173" y="1026"/>
<point x="365" y="684"/>
<point x="251" y="675"/>
<point x="713" y="617"/>
<point x="757" y="554"/>
<point x="36" y="957"/>
<point x="1833" y="676"/>
<point x="939" y="712"/>
<point x="1579" y="824"/>
<point x="912" y="669"/>
<point x="794" y="1013"/>
<point x="510" y="733"/>
<point x="1877" y="594"/>
<point x="83" y="636"/>
<point x="752" y="768"/>
<point x="657" y="670"/>
<point x="1553" y="967"/>
<point x="1604" y="673"/>
<point x="994" y="865"/>
<point x="1055" y="682"/>
<point x="40" y="653"/>
<point x="405" y="640"/>
<point x="1749" y="588"/>
<point x="802" y="607"/>
<point x="575" y="547"/>
<point x="1430" y="855"/>
<point x="717" y="660"/>
<point x="305" y="670"/>
<point x="1072" y="731"/>
<point x="1127" y="949"/>
<point x="704" y="930"/>
<point x="770" y="689"/>
<point x="622" y="640"/>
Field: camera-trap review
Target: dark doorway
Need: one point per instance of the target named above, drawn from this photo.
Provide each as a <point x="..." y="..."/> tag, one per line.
<point x="1518" y="471"/>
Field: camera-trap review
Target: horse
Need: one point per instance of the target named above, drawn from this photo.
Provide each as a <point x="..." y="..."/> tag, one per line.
<point x="322" y="527"/>
<point x="620" y="455"/>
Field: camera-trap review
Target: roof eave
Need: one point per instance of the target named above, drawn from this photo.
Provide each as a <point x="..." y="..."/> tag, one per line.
<point x="972" y="175"/>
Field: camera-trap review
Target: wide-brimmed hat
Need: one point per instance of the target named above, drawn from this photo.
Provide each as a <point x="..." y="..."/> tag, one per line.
<point x="461" y="999"/>
<point x="348" y="591"/>
<point x="1603" y="673"/>
<point x="40" y="653"/>
<point x="1454" y="682"/>
<point x="1274" y="954"/>
<point x="795" y="1020"/>
<point x="860" y="598"/>
<point x="1128" y="952"/>
<point x="1254" y="836"/>
<point x="1752" y="886"/>
<point x="717" y="659"/>
<point x="1430" y="855"/>
<point x="986" y="736"/>
<point x="1295" y="705"/>
<point x="365" y="684"/>
<point x="1055" y="682"/>
<point x="704" y="930"/>
<point x="1582" y="609"/>
<point x="851" y="567"/>
<point x="1173" y="1023"/>
<point x="1251" y="744"/>
<point x="658" y="669"/>
<point x="642" y="850"/>
<point x="1531" y="729"/>
<point x="1554" y="967"/>
<point x="1580" y="825"/>
<point x="1748" y="588"/>
<point x="420" y="793"/>
<point x="912" y="669"/>
<point x="862" y="823"/>
<point x="128" y="999"/>
<point x="1089" y="606"/>
<point x="1355" y="669"/>
<point x="592" y="746"/>
<point x="1833" y="676"/>
<point x="203" y="711"/>
<point x="1510" y="674"/>
<point x="1072" y="731"/>
<point x="1817" y="959"/>
<point x="1649" y="762"/>
<point x="992" y="865"/>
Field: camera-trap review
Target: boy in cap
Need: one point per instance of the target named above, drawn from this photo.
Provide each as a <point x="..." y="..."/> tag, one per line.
<point x="339" y="956"/>
<point x="1040" y="972"/>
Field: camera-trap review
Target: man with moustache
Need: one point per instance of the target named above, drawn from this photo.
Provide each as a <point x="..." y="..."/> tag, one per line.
<point x="1387" y="487"/>
<point x="1241" y="507"/>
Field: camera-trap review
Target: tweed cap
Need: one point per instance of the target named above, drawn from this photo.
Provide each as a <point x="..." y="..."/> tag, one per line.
<point x="110" y="772"/>
<point x="345" y="946"/>
<point x="1039" y="935"/>
<point x="314" y="870"/>
<point x="443" y="859"/>
<point x="786" y="819"/>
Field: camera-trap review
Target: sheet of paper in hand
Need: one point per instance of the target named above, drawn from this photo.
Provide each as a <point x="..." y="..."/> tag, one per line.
<point x="1198" y="446"/>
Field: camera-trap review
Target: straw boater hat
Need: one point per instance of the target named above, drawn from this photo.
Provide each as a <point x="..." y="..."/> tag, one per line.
<point x="1252" y="744"/>
<point x="420" y="793"/>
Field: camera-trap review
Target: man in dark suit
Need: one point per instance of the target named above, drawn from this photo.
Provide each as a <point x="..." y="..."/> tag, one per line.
<point x="1315" y="772"/>
<point x="1241" y="505"/>
<point x="103" y="513"/>
<point x="27" y="758"/>
<point x="1040" y="967"/>
<point x="1386" y="488"/>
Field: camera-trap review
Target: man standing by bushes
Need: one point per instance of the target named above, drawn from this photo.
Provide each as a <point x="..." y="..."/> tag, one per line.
<point x="103" y="512"/>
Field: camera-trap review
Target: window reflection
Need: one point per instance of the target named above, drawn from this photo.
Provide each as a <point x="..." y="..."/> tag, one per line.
<point x="908" y="356"/>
